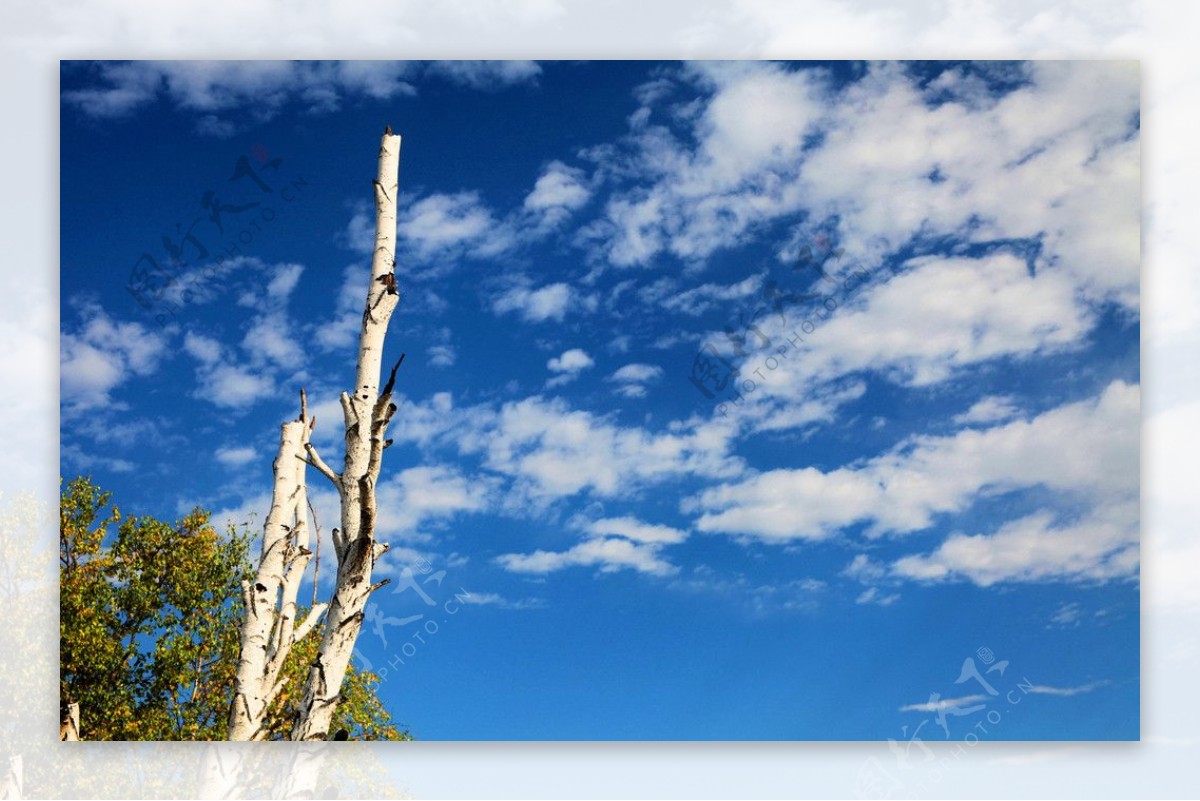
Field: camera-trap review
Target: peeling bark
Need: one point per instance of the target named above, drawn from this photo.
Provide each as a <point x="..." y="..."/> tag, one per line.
<point x="69" y="730"/>
<point x="367" y="412"/>
<point x="269" y="627"/>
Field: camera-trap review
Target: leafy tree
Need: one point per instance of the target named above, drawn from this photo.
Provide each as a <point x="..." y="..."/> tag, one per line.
<point x="150" y="612"/>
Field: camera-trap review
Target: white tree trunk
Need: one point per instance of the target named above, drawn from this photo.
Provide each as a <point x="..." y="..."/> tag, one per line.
<point x="70" y="726"/>
<point x="367" y="411"/>
<point x="269" y="628"/>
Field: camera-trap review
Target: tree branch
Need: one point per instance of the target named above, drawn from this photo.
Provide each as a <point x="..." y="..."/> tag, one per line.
<point x="316" y="461"/>
<point x="391" y="382"/>
<point x="309" y="622"/>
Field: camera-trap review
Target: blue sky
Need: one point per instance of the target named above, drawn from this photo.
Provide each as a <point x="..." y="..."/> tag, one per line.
<point x="926" y="276"/>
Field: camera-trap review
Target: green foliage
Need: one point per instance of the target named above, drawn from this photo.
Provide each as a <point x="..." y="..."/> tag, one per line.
<point x="150" y="614"/>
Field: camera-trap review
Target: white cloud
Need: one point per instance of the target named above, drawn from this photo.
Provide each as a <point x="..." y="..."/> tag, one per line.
<point x="201" y="348"/>
<point x="748" y="138"/>
<point x="235" y="456"/>
<point x="359" y="233"/>
<point x="414" y="498"/>
<point x="1043" y="689"/>
<point x="102" y="353"/>
<point x="698" y="300"/>
<point x="944" y="704"/>
<point x="555" y="452"/>
<point x="129" y="85"/>
<point x="75" y="455"/>
<point x="423" y="423"/>
<point x="286" y="276"/>
<point x="872" y="595"/>
<point x="988" y="410"/>
<point x="559" y="190"/>
<point x="550" y="302"/>
<point x="251" y="511"/>
<point x="786" y="504"/>
<point x="1089" y="448"/>
<point x="271" y="339"/>
<point x="1039" y="547"/>
<point x="232" y="386"/>
<point x="444" y="226"/>
<point x="608" y="555"/>
<point x="875" y="576"/>
<point x="571" y="361"/>
<point x="637" y="373"/>
<point x="1052" y="159"/>
<point x="220" y="381"/>
<point x="550" y="451"/>
<point x="487" y="75"/>
<point x="442" y="356"/>
<point x="378" y="79"/>
<point x="633" y="529"/>
<point x="932" y="320"/>
<point x="898" y="162"/>
<point x="568" y="366"/>
<point x="1065" y="616"/>
<point x="631" y="379"/>
<point x="341" y="331"/>
<point x="613" y="544"/>
<point x="924" y="325"/>
<point x="207" y="87"/>
<point x="864" y="569"/>
<point x="500" y="602"/>
<point x="214" y="126"/>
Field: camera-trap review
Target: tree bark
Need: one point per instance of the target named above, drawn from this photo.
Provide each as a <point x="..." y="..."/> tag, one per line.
<point x="70" y="727"/>
<point x="269" y="627"/>
<point x="367" y="411"/>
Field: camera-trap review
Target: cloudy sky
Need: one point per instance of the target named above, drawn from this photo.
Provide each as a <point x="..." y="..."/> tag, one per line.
<point x="741" y="400"/>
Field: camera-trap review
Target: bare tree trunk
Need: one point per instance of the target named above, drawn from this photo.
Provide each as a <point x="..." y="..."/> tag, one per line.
<point x="367" y="411"/>
<point x="269" y="629"/>
<point x="69" y="731"/>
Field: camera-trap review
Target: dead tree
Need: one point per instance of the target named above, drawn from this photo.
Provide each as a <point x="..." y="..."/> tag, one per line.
<point x="268" y="631"/>
<point x="268" y="628"/>
<point x="367" y="411"/>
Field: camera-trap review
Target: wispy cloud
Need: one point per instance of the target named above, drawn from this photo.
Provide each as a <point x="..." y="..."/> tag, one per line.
<point x="991" y="409"/>
<point x="263" y="88"/>
<point x="904" y="490"/>
<point x="235" y="456"/>
<point x="631" y="380"/>
<point x="550" y="302"/>
<point x="1044" y="689"/>
<point x="500" y="602"/>
<point x="612" y="544"/>
<point x="102" y="353"/>
<point x="944" y="704"/>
